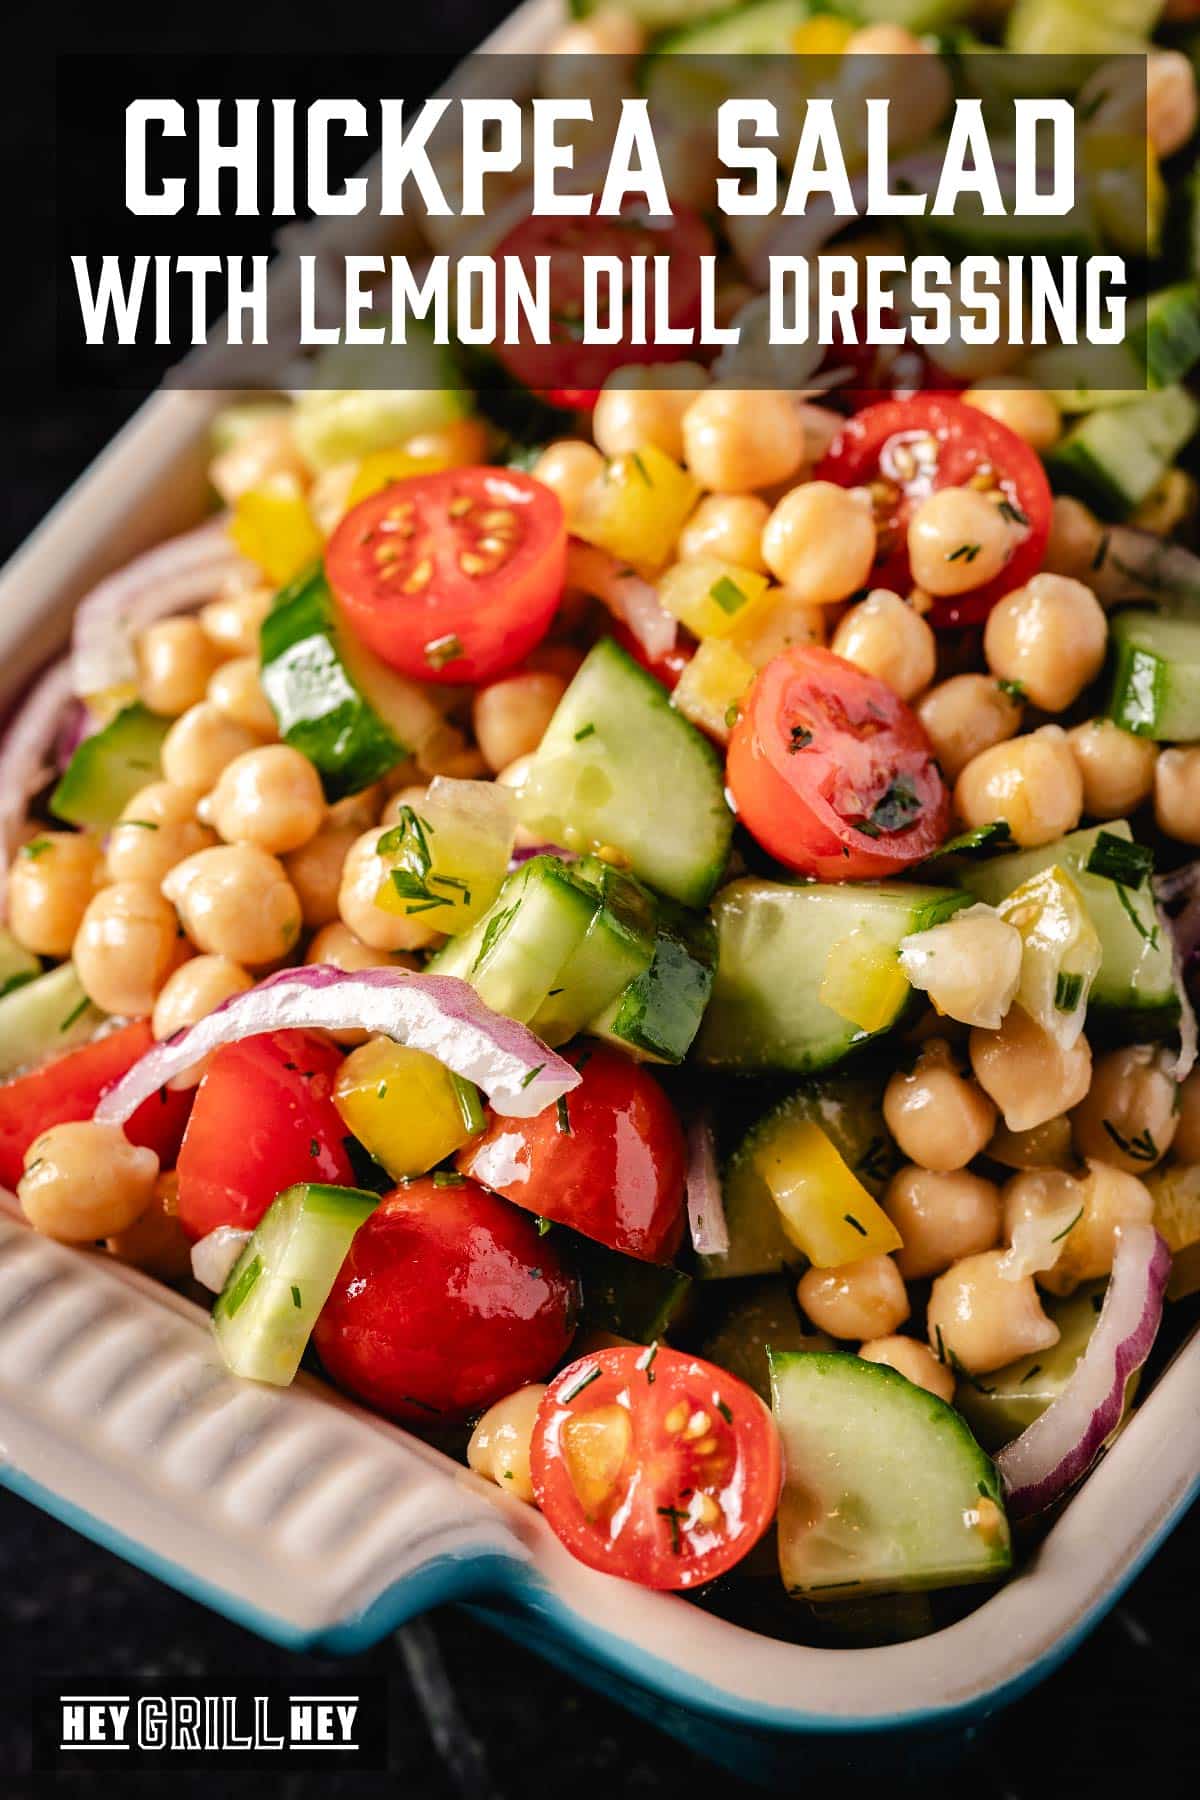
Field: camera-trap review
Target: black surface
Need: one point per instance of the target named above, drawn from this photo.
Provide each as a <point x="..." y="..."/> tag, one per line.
<point x="471" y="1714"/>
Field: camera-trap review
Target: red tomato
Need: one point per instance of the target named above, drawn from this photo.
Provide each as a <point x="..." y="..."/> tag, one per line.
<point x="655" y="1466"/>
<point x="879" y="371"/>
<point x="567" y="365"/>
<point x="832" y="772"/>
<point x="609" y="1160"/>
<point x="909" y="448"/>
<point x="666" y="669"/>
<point x="454" y="576"/>
<point x="574" y="399"/>
<point x="264" y="1118"/>
<point x="71" y="1087"/>
<point x="447" y="1300"/>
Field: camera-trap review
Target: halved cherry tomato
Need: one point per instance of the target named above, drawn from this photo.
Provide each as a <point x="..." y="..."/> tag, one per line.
<point x="566" y="365"/>
<point x="447" y="1300"/>
<point x="879" y="372"/>
<point x="832" y="772"/>
<point x="906" y="449"/>
<point x="452" y="576"/>
<point x="609" y="1160"/>
<point x="655" y="1466"/>
<point x="666" y="669"/>
<point x="72" y="1086"/>
<point x="263" y="1118"/>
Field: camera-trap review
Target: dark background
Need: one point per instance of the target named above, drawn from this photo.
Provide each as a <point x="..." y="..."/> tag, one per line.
<point x="471" y="1715"/>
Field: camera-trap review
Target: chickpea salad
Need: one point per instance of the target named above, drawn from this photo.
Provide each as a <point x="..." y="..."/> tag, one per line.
<point x="647" y="935"/>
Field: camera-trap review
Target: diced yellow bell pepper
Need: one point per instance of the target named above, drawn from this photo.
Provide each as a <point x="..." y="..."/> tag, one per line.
<point x="637" y="508"/>
<point x="822" y="35"/>
<point x="274" y="528"/>
<point x="710" y="596"/>
<point x="863" y="980"/>
<point x="449" y="856"/>
<point x="711" y="686"/>
<point x="825" y="1209"/>
<point x="453" y="446"/>
<point x="1176" y="1193"/>
<point x="407" y="1108"/>
<point x="1169" y="502"/>
<point x="780" y="620"/>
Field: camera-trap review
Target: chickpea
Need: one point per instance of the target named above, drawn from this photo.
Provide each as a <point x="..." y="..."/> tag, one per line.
<point x="912" y="1360"/>
<point x="156" y="1241"/>
<point x="1111" y="1198"/>
<point x="363" y="874"/>
<point x="509" y="717"/>
<point x="1170" y="101"/>
<point x="1177" y="793"/>
<point x="939" y="1117"/>
<point x="271" y="797"/>
<point x="1027" y="1073"/>
<point x="941" y="1218"/>
<point x="315" y="871"/>
<point x="820" y="541"/>
<point x="863" y="1299"/>
<point x="1187" y="1125"/>
<point x="1041" y="1199"/>
<point x="1044" y="1146"/>
<point x="1128" y="1116"/>
<point x="357" y="811"/>
<point x="232" y="622"/>
<point x="202" y="743"/>
<point x="196" y="988"/>
<point x="1030" y="413"/>
<point x="499" y="1446"/>
<point x="329" y="496"/>
<point x="85" y="1181"/>
<point x="51" y="881"/>
<point x="884" y="636"/>
<point x="236" y="691"/>
<point x="979" y="1319"/>
<point x="1076" y="539"/>
<point x="261" y="453"/>
<point x="568" y="468"/>
<point x="127" y="944"/>
<point x="736" y="440"/>
<point x="337" y="945"/>
<point x="966" y="715"/>
<point x="958" y="539"/>
<point x="157" y="829"/>
<point x="1033" y="784"/>
<point x="176" y="660"/>
<point x="1117" y="768"/>
<point x="637" y="406"/>
<point x="729" y="527"/>
<point x="236" y="901"/>
<point x="1050" y="636"/>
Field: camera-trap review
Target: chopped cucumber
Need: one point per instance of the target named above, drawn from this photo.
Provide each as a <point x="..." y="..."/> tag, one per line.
<point x="1156" y="676"/>
<point x="1113" y="457"/>
<point x="619" y="766"/>
<point x="764" y="28"/>
<point x="42" y="1018"/>
<point x="265" y="1313"/>
<point x="615" y="950"/>
<point x="1164" y="329"/>
<point x="656" y="1017"/>
<point x="1136" y="979"/>
<point x="1160" y="348"/>
<point x="109" y="768"/>
<point x="350" y="408"/>
<point x="17" y="964"/>
<point x="761" y="1315"/>
<point x="637" y="1300"/>
<point x="885" y="1489"/>
<point x="514" y="955"/>
<point x="998" y="1407"/>
<point x="775" y="946"/>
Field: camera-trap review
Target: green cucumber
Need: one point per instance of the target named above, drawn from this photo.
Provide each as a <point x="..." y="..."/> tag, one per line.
<point x="848" y="1112"/>
<point x="656" y="1017"/>
<point x="631" y="1299"/>
<point x="885" y="1490"/>
<point x="619" y="766"/>
<point x="1164" y="330"/>
<point x="773" y="944"/>
<point x="999" y="1406"/>
<point x="17" y="964"/>
<point x="349" y="408"/>
<point x="43" y="1017"/>
<point x="1136" y="981"/>
<point x="516" y="952"/>
<point x="109" y="768"/>
<point x="1113" y="457"/>
<point x="764" y="28"/>
<point x="761" y="1315"/>
<point x="1155" y="689"/>
<point x="616" y="949"/>
<point x="264" y="1315"/>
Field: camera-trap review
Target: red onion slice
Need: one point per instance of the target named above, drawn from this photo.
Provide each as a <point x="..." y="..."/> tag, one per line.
<point x="1059" y="1448"/>
<point x="627" y="595"/>
<point x="27" y="756"/>
<point x="439" y="1014"/>
<point x="705" y="1204"/>
<point x="214" y="1256"/>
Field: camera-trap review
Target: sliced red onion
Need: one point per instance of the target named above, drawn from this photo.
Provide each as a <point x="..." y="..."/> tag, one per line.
<point x="705" y="1204"/>
<point x="1136" y="565"/>
<point x="1059" y="1447"/>
<point x="27" y="756"/>
<point x="214" y="1256"/>
<point x="439" y="1014"/>
<point x="524" y="852"/>
<point x="183" y="572"/>
<point x="627" y="595"/>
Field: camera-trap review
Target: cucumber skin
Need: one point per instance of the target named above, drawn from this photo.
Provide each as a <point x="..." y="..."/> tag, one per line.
<point x="42" y="1018"/>
<point x="1150" y="696"/>
<point x="658" y="1015"/>
<point x="1112" y="458"/>
<point x="109" y="768"/>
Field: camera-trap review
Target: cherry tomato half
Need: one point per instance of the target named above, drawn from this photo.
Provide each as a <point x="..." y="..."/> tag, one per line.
<point x="609" y="1160"/>
<point x="655" y="1466"/>
<point x="832" y="772"/>
<point x="905" y="450"/>
<point x="566" y="365"/>
<point x="263" y="1118"/>
<point x="447" y="1300"/>
<point x="666" y="669"/>
<point x="452" y="576"/>
<point x="72" y="1086"/>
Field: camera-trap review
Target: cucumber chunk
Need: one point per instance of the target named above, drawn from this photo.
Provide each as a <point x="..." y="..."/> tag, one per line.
<point x="17" y="964"/>
<point x="762" y="29"/>
<point x="774" y="944"/>
<point x="885" y="1489"/>
<point x="998" y="1407"/>
<point x="109" y="768"/>
<point x="618" y="765"/>
<point x="615" y="950"/>
<point x="515" y="954"/>
<point x="42" y="1018"/>
<point x="264" y="1315"/>
<point x="1113" y="457"/>
<point x="656" y="1017"/>
<point x="1155" y="688"/>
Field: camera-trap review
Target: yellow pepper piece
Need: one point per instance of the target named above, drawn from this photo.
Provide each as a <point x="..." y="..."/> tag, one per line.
<point x="1176" y="1193"/>
<point x="863" y="981"/>
<point x="781" y="619"/>
<point x="711" y="597"/>
<point x="454" y="446"/>
<point x="711" y="686"/>
<point x="448" y="857"/>
<point x="824" y="1208"/>
<point x="274" y="528"/>
<point x="637" y="507"/>
<point x="407" y="1108"/>
<point x="822" y="35"/>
